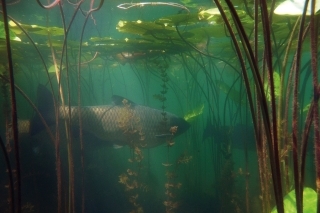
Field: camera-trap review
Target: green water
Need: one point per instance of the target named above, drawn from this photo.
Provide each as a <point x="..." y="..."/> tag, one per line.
<point x="152" y="50"/>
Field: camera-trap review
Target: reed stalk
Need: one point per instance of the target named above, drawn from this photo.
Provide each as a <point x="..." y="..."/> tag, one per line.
<point x="89" y="13"/>
<point x="270" y="123"/>
<point x="296" y="74"/>
<point x="316" y="95"/>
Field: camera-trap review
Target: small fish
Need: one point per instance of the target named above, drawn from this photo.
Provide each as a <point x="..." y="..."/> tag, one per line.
<point x="120" y="123"/>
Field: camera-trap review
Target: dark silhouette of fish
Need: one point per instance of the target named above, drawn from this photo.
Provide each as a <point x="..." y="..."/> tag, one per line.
<point x="239" y="135"/>
<point x="121" y="123"/>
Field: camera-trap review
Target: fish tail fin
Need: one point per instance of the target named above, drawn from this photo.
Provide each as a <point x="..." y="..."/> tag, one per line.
<point x="46" y="109"/>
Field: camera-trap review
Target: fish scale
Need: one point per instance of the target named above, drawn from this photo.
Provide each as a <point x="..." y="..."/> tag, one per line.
<point x="114" y="123"/>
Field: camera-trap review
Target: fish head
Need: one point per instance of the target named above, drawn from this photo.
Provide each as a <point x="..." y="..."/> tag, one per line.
<point x="182" y="124"/>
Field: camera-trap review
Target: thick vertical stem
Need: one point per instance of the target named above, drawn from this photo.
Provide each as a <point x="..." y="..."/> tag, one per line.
<point x="295" y="141"/>
<point x="298" y="185"/>
<point x="282" y="100"/>
<point x="274" y="131"/>
<point x="263" y="170"/>
<point x="314" y="67"/>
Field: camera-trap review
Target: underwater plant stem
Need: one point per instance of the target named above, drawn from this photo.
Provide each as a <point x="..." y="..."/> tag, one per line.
<point x="67" y="122"/>
<point x="282" y="100"/>
<point x="260" y="142"/>
<point x="284" y="66"/>
<point x="9" y="170"/>
<point x="79" y="98"/>
<point x="14" y="118"/>
<point x="197" y="82"/>
<point x="36" y="48"/>
<point x="57" y="138"/>
<point x="276" y="172"/>
<point x="247" y="168"/>
<point x="296" y="70"/>
<point x="71" y="197"/>
<point x="260" y="94"/>
<point x="314" y="67"/>
<point x="274" y="162"/>
<point x="304" y="142"/>
<point x="126" y="6"/>
<point x="295" y="142"/>
<point x="50" y="6"/>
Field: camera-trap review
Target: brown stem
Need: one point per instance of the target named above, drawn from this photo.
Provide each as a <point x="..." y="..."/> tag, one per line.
<point x="316" y="95"/>
<point x="79" y="98"/>
<point x="296" y="70"/>
<point x="49" y="6"/>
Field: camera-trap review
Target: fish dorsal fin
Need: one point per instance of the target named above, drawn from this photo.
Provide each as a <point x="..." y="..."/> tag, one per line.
<point x="118" y="100"/>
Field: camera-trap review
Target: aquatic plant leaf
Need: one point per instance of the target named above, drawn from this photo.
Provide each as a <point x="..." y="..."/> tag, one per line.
<point x="157" y="36"/>
<point x="52" y="68"/>
<point x="143" y="28"/>
<point x="276" y="80"/>
<point x="54" y="31"/>
<point x="200" y="33"/>
<point x="101" y="39"/>
<point x="194" y="113"/>
<point x="306" y="108"/>
<point x="134" y="48"/>
<point x="309" y="202"/>
<point x="3" y="33"/>
<point x="190" y="5"/>
<point x="210" y="15"/>
<point x="179" y="19"/>
<point x="295" y="7"/>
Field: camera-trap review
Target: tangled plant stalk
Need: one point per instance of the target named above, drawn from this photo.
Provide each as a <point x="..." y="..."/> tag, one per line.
<point x="267" y="109"/>
<point x="129" y="122"/>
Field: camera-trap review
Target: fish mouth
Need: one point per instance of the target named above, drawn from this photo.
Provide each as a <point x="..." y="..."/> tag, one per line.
<point x="182" y="124"/>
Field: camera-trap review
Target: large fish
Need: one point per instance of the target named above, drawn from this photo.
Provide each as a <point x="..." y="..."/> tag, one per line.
<point x="121" y="123"/>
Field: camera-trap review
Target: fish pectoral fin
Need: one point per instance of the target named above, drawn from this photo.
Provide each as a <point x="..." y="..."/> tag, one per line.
<point x="116" y="146"/>
<point x="163" y="136"/>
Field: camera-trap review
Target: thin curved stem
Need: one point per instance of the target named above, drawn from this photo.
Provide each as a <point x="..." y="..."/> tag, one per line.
<point x="274" y="162"/>
<point x="79" y="95"/>
<point x="50" y="6"/>
<point x="36" y="48"/>
<point x="201" y="52"/>
<point x="126" y="6"/>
